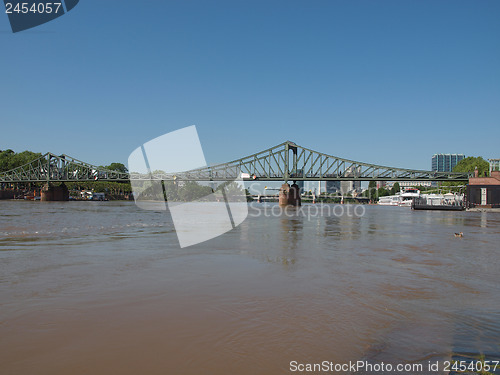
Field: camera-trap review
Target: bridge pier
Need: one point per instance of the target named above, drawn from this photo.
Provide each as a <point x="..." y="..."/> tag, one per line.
<point x="54" y="193"/>
<point x="290" y="195"/>
<point x="283" y="195"/>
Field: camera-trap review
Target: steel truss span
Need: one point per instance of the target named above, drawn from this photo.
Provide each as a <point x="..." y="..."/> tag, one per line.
<point x="60" y="168"/>
<point x="284" y="162"/>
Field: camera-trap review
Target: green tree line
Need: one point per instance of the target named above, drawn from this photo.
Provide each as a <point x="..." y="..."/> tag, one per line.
<point x="188" y="191"/>
<point x="10" y="159"/>
<point x="468" y="165"/>
<point x="108" y="187"/>
<point x="374" y="194"/>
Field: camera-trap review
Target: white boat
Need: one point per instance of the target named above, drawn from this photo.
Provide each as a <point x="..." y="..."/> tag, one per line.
<point x="448" y="199"/>
<point x="407" y="196"/>
<point x="402" y="199"/>
<point x="390" y="200"/>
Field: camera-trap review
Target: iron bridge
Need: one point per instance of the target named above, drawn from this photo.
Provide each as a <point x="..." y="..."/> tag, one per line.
<point x="284" y="162"/>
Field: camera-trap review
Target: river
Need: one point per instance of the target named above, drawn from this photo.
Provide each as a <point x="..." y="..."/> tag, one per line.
<point x="103" y="288"/>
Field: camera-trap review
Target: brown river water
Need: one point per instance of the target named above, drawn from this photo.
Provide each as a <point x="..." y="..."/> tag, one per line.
<point x="103" y="288"/>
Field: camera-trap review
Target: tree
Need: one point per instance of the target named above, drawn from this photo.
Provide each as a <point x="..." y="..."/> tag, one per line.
<point x="248" y="195"/>
<point x="119" y="167"/>
<point x="470" y="163"/>
<point x="382" y="192"/>
<point x="192" y="190"/>
<point x="10" y="160"/>
<point x="233" y="189"/>
<point x="395" y="188"/>
<point x="372" y="191"/>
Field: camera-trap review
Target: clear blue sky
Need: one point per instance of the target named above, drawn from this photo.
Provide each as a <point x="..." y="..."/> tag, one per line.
<point x="388" y="82"/>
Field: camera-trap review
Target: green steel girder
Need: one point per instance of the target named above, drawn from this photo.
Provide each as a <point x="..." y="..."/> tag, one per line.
<point x="59" y="168"/>
<point x="284" y="162"/>
<point x="275" y="164"/>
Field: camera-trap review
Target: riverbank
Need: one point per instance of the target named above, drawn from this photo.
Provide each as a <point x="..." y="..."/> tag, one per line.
<point x="483" y="209"/>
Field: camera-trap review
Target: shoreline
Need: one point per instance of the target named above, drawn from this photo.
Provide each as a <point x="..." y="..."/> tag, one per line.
<point x="483" y="209"/>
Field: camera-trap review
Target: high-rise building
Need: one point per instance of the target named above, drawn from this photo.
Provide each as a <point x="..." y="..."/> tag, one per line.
<point x="494" y="165"/>
<point x="350" y="187"/>
<point x="445" y="162"/>
<point x="332" y="186"/>
<point x="353" y="185"/>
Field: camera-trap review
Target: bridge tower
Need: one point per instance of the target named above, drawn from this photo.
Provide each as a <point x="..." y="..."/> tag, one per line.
<point x="290" y="195"/>
<point x="50" y="192"/>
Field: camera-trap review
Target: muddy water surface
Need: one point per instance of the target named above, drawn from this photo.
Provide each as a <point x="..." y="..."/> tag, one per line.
<point x="103" y="288"/>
